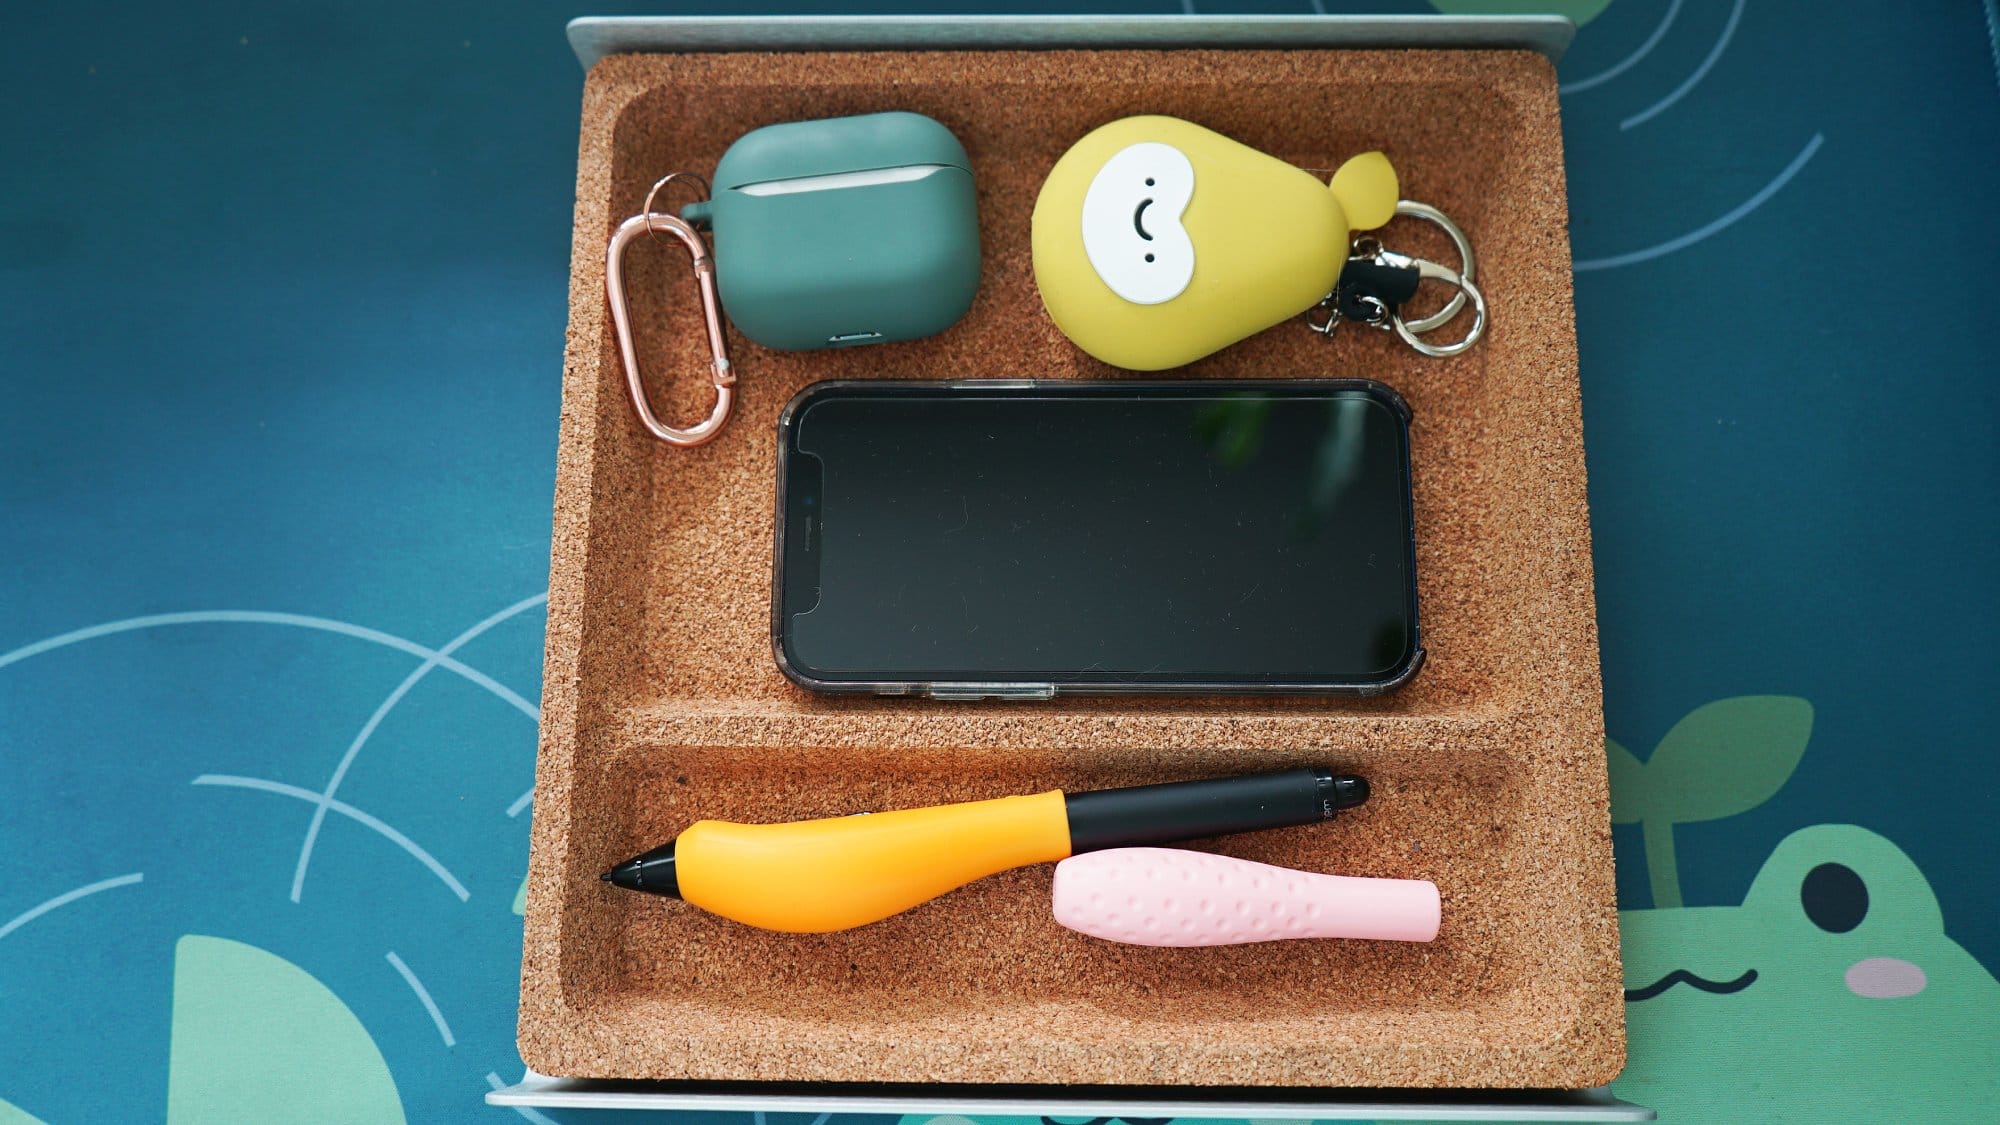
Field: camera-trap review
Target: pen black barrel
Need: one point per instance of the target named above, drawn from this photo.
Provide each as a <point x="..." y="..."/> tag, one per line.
<point x="1193" y="810"/>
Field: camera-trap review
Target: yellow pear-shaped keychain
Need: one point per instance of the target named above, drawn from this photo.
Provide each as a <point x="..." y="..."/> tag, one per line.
<point x="1157" y="242"/>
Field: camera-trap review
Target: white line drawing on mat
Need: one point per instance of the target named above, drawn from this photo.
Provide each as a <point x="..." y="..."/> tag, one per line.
<point x="1993" y="34"/>
<point x="260" y="617"/>
<point x="1629" y="61"/>
<point x="375" y="720"/>
<point x="432" y="659"/>
<point x="67" y="897"/>
<point x="1692" y="80"/>
<point x="1727" y="220"/>
<point x="423" y="994"/>
<point x="232" y="781"/>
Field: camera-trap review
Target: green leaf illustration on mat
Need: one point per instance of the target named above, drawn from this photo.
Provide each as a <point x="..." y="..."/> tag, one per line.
<point x="1831" y="994"/>
<point x="11" y="1114"/>
<point x="1580" y="12"/>
<point x="521" y="898"/>
<point x="1722" y="759"/>
<point x="258" y="1039"/>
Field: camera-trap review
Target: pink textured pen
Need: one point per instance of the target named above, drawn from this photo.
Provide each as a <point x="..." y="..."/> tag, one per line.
<point x="1164" y="896"/>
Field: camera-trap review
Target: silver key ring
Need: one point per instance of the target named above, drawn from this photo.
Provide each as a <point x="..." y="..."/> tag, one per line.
<point x="1428" y="213"/>
<point x="1408" y="330"/>
<point x="1427" y="270"/>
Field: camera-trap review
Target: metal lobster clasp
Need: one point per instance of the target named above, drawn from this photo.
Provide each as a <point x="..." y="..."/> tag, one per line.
<point x="649" y="221"/>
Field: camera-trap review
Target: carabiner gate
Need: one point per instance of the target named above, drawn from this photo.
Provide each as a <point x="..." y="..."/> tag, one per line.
<point x="720" y="373"/>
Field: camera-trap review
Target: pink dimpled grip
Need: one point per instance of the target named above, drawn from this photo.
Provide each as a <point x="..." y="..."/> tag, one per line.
<point x="1162" y="896"/>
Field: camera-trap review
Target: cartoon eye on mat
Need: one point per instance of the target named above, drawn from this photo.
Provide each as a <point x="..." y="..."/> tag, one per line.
<point x="1867" y="903"/>
<point x="1834" y="898"/>
<point x="1132" y="230"/>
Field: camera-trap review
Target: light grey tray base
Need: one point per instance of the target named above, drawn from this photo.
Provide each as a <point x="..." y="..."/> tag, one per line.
<point x="1058" y="1101"/>
<point x="592" y="38"/>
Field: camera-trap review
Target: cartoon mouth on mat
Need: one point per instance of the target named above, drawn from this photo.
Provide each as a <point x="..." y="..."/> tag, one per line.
<point x="1682" y="976"/>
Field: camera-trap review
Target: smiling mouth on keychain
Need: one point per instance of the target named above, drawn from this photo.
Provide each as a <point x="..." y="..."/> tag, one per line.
<point x="1157" y="242"/>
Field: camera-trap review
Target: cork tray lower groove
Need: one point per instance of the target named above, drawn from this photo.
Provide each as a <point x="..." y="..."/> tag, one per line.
<point x="663" y="704"/>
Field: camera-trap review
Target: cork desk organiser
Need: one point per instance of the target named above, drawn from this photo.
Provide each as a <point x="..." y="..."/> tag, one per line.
<point x="662" y="703"/>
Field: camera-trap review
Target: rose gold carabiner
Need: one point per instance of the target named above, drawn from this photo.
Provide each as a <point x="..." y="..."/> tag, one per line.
<point x="720" y="373"/>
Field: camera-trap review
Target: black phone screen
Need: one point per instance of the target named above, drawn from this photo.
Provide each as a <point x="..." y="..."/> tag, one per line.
<point x="1102" y="536"/>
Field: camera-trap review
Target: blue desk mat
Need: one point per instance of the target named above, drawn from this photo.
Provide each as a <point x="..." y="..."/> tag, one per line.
<point x="282" y="298"/>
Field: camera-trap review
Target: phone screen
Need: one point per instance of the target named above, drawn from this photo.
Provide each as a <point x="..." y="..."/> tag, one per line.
<point x="1100" y="536"/>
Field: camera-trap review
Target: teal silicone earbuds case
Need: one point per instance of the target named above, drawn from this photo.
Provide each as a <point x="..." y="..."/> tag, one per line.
<point x="844" y="231"/>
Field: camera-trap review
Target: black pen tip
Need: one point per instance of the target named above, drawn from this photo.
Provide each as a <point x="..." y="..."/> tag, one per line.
<point x="652" y="872"/>
<point x="1341" y="791"/>
<point x="1349" y="791"/>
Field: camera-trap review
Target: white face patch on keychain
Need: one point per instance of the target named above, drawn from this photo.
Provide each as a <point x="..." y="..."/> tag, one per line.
<point x="1132" y="230"/>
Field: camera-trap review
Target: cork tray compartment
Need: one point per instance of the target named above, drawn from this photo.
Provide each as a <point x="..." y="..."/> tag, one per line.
<point x="663" y="705"/>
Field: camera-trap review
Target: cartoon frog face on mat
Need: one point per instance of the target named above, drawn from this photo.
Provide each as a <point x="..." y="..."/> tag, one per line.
<point x="1832" y="993"/>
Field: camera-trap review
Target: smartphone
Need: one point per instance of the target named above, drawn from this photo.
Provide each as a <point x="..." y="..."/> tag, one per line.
<point x="1026" y="538"/>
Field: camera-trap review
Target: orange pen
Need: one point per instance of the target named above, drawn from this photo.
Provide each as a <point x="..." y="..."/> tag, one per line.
<point x="814" y="876"/>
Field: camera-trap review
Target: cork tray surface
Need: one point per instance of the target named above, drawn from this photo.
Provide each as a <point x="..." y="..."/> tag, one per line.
<point x="663" y="705"/>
